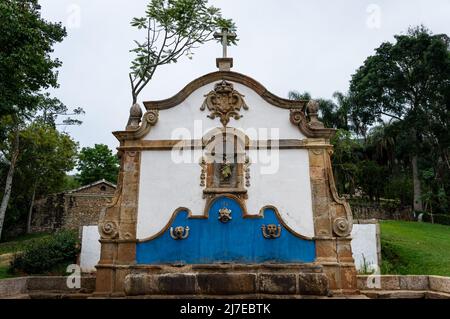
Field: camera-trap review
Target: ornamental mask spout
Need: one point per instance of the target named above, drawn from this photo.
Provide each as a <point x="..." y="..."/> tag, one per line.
<point x="225" y="215"/>
<point x="271" y="231"/>
<point x="179" y="233"/>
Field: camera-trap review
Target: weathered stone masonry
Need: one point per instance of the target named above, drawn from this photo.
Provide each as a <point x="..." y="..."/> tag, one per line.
<point x="72" y="209"/>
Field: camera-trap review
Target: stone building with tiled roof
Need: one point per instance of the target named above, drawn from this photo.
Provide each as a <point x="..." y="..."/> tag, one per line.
<point x="72" y="209"/>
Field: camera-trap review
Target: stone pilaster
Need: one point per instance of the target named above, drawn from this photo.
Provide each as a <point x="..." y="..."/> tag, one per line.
<point x="118" y="229"/>
<point x="332" y="221"/>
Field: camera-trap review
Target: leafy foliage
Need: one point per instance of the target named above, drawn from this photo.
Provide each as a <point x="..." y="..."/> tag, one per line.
<point x="26" y="65"/>
<point x="437" y="219"/>
<point x="96" y="163"/>
<point x="396" y="114"/>
<point x="43" y="255"/>
<point x="408" y="83"/>
<point x="45" y="155"/>
<point x="173" y="28"/>
<point x="27" y="70"/>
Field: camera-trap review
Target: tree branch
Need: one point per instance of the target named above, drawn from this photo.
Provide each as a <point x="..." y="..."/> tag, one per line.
<point x="142" y="83"/>
<point x="392" y="116"/>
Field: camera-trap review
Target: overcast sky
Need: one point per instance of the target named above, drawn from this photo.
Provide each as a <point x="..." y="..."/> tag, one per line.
<point x="304" y="45"/>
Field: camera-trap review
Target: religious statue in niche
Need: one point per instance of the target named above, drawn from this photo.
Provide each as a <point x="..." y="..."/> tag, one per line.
<point x="225" y="166"/>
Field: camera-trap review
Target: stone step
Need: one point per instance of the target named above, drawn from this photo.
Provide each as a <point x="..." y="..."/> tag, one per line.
<point x="405" y="294"/>
<point x="245" y="297"/>
<point x="57" y="295"/>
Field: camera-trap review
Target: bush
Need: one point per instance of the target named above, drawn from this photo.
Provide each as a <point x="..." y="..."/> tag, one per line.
<point x="437" y="218"/>
<point x="44" y="255"/>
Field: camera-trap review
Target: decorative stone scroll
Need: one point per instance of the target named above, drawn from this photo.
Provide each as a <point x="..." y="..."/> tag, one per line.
<point x="109" y="230"/>
<point x="134" y="130"/>
<point x="341" y="227"/>
<point x="224" y="102"/>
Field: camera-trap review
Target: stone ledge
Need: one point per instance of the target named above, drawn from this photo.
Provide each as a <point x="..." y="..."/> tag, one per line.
<point x="213" y="283"/>
<point x="437" y="284"/>
<point x="405" y="294"/>
<point x="226" y="268"/>
<point x="394" y="294"/>
<point x="49" y="284"/>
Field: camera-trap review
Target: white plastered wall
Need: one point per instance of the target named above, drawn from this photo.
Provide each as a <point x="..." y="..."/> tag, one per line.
<point x="261" y="119"/>
<point x="280" y="178"/>
<point x="365" y="246"/>
<point x="90" y="248"/>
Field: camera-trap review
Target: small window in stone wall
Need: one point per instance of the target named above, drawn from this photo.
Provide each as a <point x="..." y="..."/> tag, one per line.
<point x="103" y="188"/>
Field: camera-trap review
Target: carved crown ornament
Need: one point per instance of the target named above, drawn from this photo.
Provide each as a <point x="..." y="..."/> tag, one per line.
<point x="224" y="102"/>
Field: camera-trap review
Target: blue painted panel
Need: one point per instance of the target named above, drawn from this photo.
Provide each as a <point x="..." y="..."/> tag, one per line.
<point x="239" y="240"/>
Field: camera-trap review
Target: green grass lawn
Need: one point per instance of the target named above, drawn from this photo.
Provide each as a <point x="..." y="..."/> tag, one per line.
<point x="411" y="248"/>
<point x="4" y="274"/>
<point x="18" y="243"/>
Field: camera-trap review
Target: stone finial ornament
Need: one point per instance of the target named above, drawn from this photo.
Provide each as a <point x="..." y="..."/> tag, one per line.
<point x="313" y="112"/>
<point x="135" y="117"/>
<point x="224" y="102"/>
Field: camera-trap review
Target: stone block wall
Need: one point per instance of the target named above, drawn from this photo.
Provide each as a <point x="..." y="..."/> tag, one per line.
<point x="83" y="210"/>
<point x="48" y="213"/>
<point x="72" y="209"/>
<point x="382" y="211"/>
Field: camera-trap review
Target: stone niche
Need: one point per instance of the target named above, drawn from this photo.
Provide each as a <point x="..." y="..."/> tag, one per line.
<point x="228" y="189"/>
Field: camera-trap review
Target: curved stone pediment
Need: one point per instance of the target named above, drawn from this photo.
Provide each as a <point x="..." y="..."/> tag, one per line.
<point x="269" y="97"/>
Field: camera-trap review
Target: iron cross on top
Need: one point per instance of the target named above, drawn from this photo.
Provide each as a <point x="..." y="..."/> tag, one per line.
<point x="224" y="37"/>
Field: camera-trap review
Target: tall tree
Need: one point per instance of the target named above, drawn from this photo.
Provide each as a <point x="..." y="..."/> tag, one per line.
<point x="10" y="159"/>
<point x="26" y="71"/>
<point x="406" y="81"/>
<point x="26" y="66"/>
<point x="96" y="163"/>
<point x="46" y="155"/>
<point x="173" y="28"/>
<point x="333" y="114"/>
